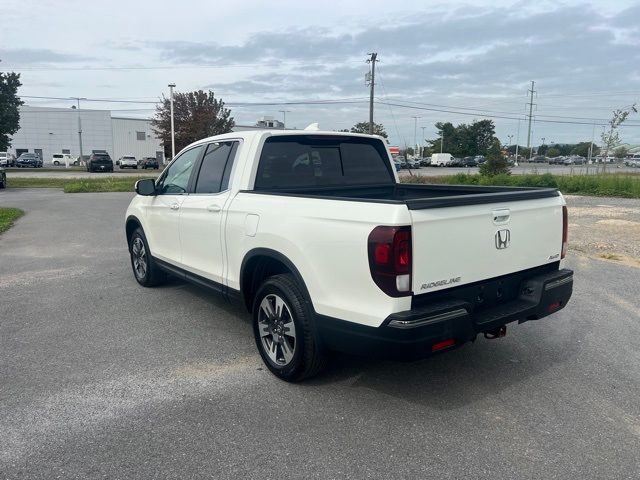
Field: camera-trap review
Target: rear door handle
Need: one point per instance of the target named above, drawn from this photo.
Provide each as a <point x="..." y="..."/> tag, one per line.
<point x="175" y="206"/>
<point x="214" y="208"/>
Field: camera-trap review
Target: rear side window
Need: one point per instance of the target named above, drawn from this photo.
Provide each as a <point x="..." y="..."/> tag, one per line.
<point x="316" y="161"/>
<point x="216" y="167"/>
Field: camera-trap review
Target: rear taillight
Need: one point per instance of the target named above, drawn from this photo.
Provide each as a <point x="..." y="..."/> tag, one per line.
<point x="390" y="259"/>
<point x="565" y="232"/>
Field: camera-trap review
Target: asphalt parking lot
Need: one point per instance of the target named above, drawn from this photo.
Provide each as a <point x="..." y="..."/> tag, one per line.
<point x="100" y="378"/>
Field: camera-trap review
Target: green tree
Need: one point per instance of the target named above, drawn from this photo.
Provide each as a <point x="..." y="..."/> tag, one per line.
<point x="496" y="163"/>
<point x="553" y="152"/>
<point x="197" y="115"/>
<point x="564" y="148"/>
<point x="582" y="149"/>
<point x="9" y="107"/>
<point x="611" y="137"/>
<point x="363" y="127"/>
<point x="465" y="139"/>
<point x="621" y="152"/>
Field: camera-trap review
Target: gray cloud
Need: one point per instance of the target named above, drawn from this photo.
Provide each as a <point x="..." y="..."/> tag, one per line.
<point x="29" y="56"/>
<point x="469" y="50"/>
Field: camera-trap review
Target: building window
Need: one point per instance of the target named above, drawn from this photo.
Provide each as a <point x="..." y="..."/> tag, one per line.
<point x="141" y="135"/>
<point x="66" y="150"/>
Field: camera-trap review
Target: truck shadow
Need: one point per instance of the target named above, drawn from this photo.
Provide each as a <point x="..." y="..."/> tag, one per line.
<point x="461" y="377"/>
<point x="445" y="381"/>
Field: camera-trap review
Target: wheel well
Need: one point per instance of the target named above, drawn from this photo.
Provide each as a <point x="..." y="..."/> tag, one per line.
<point x="256" y="271"/>
<point x="131" y="225"/>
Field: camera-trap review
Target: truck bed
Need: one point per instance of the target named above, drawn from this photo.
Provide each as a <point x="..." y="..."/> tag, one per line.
<point x="419" y="197"/>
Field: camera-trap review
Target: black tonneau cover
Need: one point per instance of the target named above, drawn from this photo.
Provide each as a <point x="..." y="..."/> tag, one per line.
<point x="419" y="197"/>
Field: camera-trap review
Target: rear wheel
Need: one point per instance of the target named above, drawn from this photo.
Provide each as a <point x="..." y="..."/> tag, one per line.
<point x="147" y="273"/>
<point x="285" y="331"/>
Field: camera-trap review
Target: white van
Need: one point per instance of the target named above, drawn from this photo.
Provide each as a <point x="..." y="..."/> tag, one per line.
<point x="441" y="159"/>
<point x="7" y="159"/>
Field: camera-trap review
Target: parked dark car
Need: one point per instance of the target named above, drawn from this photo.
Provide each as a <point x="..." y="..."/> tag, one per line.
<point x="149" y="162"/>
<point x="100" y="162"/>
<point x="455" y="162"/>
<point x="480" y="159"/>
<point x="469" y="162"/>
<point x="539" y="159"/>
<point x="557" y="160"/>
<point x="29" y="160"/>
<point x="3" y="178"/>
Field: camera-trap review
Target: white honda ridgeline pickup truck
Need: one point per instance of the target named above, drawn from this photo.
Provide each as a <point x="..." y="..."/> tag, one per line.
<point x="328" y="251"/>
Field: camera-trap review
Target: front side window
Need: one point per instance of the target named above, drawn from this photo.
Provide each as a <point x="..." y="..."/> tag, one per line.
<point x="216" y="167"/>
<point x="176" y="178"/>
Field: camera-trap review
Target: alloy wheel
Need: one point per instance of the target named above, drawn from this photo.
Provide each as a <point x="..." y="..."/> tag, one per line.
<point x="277" y="330"/>
<point x="139" y="257"/>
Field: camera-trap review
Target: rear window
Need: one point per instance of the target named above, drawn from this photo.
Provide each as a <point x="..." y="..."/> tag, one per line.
<point x="317" y="160"/>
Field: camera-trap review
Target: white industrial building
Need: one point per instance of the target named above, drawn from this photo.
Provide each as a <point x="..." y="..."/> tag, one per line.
<point x="47" y="130"/>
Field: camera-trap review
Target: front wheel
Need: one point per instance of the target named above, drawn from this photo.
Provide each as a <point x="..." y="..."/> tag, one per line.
<point x="147" y="273"/>
<point x="284" y="330"/>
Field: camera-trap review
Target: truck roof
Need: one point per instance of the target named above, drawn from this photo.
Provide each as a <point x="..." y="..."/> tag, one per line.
<point x="251" y="134"/>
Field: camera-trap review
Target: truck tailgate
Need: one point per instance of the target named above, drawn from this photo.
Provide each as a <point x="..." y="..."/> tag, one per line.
<point x="463" y="244"/>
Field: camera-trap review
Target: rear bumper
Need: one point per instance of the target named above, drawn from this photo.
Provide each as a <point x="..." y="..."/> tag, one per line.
<point x="448" y="323"/>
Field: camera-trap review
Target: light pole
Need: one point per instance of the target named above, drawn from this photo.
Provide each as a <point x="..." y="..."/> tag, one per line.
<point x="422" y="142"/>
<point x="441" y="140"/>
<point x="415" y="133"/>
<point x="77" y="99"/>
<point x="284" y="118"/>
<point x="173" y="135"/>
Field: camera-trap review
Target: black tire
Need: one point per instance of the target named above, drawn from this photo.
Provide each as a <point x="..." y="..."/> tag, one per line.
<point x="152" y="275"/>
<point x="308" y="353"/>
<point x="135" y="168"/>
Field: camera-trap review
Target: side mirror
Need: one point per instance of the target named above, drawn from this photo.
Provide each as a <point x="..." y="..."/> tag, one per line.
<point x="146" y="187"/>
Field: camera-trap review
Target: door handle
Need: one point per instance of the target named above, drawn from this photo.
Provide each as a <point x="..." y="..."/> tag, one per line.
<point x="175" y="206"/>
<point x="214" y="208"/>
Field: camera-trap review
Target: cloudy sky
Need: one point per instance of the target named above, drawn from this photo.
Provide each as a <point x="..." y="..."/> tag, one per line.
<point x="442" y="61"/>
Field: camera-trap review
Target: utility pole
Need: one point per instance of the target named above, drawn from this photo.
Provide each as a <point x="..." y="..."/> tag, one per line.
<point x="173" y="134"/>
<point x="593" y="134"/>
<point x="542" y="142"/>
<point x="532" y="91"/>
<point x="372" y="83"/>
<point x="422" y="142"/>
<point x="510" y="137"/>
<point x="284" y="118"/>
<point x="441" y="140"/>
<point x="515" y="163"/>
<point x="415" y="133"/>
<point x="77" y="99"/>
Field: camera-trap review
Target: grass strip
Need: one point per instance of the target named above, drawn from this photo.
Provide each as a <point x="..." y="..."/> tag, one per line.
<point x="8" y="216"/>
<point x="601" y="185"/>
<point x="78" y="185"/>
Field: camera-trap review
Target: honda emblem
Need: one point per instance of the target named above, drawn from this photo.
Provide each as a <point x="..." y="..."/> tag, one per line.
<point x="503" y="239"/>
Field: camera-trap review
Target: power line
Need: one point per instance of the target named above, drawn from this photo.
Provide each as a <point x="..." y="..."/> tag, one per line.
<point x="353" y="101"/>
<point x="496" y="116"/>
